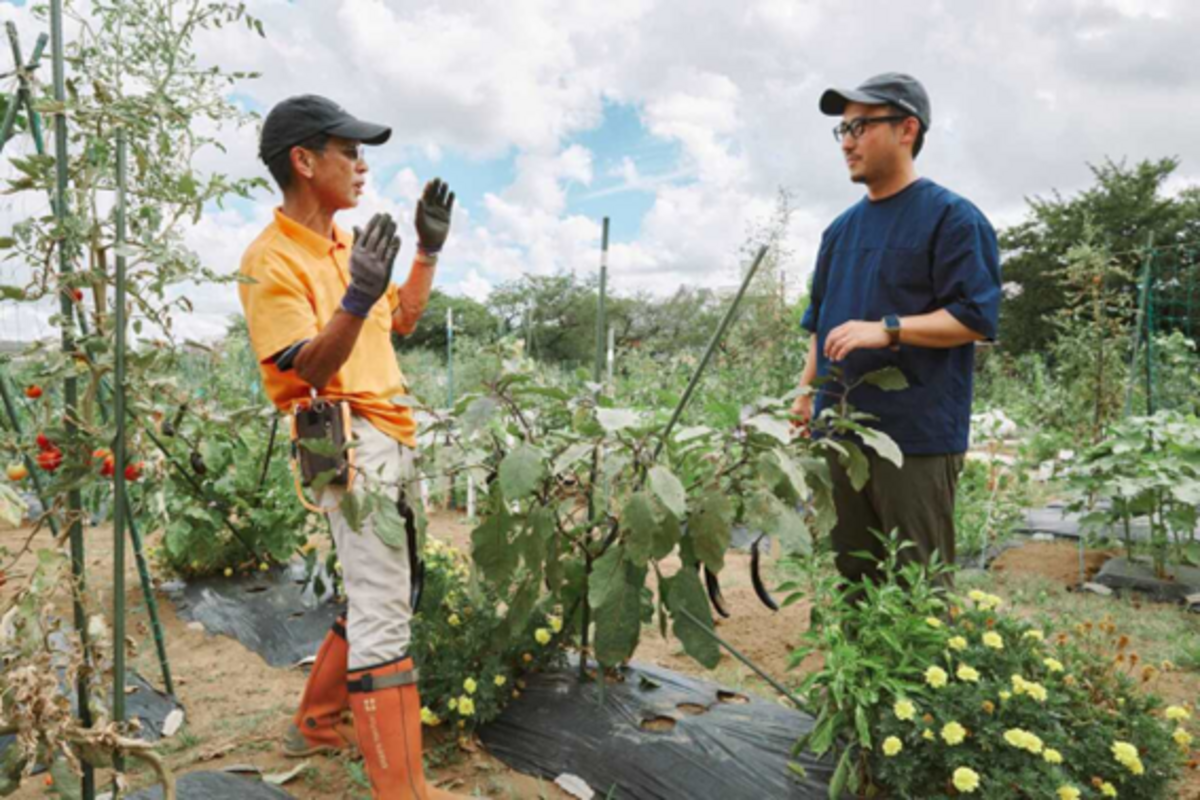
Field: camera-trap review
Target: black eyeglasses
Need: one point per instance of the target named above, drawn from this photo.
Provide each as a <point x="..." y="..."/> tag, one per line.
<point x="857" y="126"/>
<point x="354" y="152"/>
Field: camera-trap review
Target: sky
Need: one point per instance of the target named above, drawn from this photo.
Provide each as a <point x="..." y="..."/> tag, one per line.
<point x="682" y="120"/>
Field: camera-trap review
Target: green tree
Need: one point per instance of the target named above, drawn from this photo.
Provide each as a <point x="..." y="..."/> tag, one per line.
<point x="1125" y="207"/>
<point x="471" y="319"/>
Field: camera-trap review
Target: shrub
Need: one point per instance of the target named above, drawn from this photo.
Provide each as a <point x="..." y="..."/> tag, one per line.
<point x="927" y="694"/>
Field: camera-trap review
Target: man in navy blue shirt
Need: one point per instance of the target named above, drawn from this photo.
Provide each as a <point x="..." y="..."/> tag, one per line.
<point x="908" y="277"/>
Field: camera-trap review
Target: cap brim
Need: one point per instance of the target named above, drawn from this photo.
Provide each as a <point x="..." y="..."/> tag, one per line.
<point x="359" y="131"/>
<point x="834" y="101"/>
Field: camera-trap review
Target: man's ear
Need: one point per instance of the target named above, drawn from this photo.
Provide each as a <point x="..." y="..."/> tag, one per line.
<point x="302" y="162"/>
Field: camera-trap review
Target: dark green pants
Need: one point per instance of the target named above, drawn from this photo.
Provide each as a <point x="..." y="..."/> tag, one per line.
<point x="916" y="499"/>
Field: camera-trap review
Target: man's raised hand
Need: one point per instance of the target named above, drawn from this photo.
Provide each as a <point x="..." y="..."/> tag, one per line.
<point x="433" y="216"/>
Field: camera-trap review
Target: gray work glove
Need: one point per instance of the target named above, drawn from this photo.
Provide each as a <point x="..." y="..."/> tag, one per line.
<point x="371" y="261"/>
<point x="433" y="216"/>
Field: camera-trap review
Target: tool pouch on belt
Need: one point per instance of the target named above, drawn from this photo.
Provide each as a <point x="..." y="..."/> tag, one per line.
<point x="328" y="421"/>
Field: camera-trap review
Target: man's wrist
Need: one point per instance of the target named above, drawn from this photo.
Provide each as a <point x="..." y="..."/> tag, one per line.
<point x="891" y="326"/>
<point x="357" y="302"/>
<point x="426" y="257"/>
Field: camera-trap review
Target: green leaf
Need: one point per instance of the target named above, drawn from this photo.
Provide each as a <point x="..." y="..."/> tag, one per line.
<point x="890" y="379"/>
<point x="570" y="457"/>
<point x="536" y="538"/>
<point x="521" y="607"/>
<point x="669" y="490"/>
<point x="709" y="527"/>
<point x="641" y="527"/>
<point x="793" y="471"/>
<point x="521" y="471"/>
<point x="351" y="510"/>
<point x="883" y="444"/>
<point x="387" y="523"/>
<point x="619" y="620"/>
<point x="775" y="428"/>
<point x="12" y="507"/>
<point x="857" y="466"/>
<point x="686" y="594"/>
<point x="616" y="419"/>
<point x="491" y="551"/>
<point x="606" y="576"/>
<point x="837" y="785"/>
<point x="666" y="536"/>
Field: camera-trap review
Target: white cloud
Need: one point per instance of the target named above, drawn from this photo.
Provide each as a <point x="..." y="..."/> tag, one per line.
<point x="733" y="86"/>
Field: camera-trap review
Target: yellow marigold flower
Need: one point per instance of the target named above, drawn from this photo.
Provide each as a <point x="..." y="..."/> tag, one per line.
<point x="555" y="624"/>
<point x="1036" y="691"/>
<point x="542" y="635"/>
<point x="936" y="677"/>
<point x="1023" y="740"/>
<point x="1166" y="666"/>
<point x="1108" y="790"/>
<point x="892" y="746"/>
<point x="966" y="780"/>
<point x="500" y="680"/>
<point x="904" y="710"/>
<point x="466" y="706"/>
<point x="453" y="704"/>
<point x="976" y="595"/>
<point x="928" y="734"/>
<point x="1177" y="713"/>
<point x="1036" y="634"/>
<point x="953" y="733"/>
<point x="1053" y="665"/>
<point x="1005" y="695"/>
<point x="527" y="658"/>
<point x="968" y="674"/>
<point x="933" y="622"/>
<point x="1068" y="793"/>
<point x="1052" y="756"/>
<point x="992" y="639"/>
<point x="470" y="686"/>
<point x="1182" y="738"/>
<point x="428" y="718"/>
<point x="957" y="643"/>
<point x="454" y="621"/>
<point x="989" y="707"/>
<point x="1127" y="756"/>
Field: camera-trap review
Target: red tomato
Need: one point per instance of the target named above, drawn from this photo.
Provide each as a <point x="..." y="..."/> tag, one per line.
<point x="77" y="294"/>
<point x="133" y="471"/>
<point x="16" y="472"/>
<point x="108" y="467"/>
<point x="43" y="443"/>
<point x="33" y="392"/>
<point x="50" y="460"/>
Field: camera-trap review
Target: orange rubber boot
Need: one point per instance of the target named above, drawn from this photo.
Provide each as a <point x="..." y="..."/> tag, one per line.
<point x="323" y="724"/>
<point x="387" y="715"/>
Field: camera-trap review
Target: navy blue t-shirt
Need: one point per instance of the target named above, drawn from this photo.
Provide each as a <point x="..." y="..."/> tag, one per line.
<point x="920" y="250"/>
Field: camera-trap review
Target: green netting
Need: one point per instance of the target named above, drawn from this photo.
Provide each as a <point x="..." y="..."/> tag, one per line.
<point x="1166" y="366"/>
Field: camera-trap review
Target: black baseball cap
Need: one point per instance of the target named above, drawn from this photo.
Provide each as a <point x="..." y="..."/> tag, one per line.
<point x="304" y="116"/>
<point x="891" y="88"/>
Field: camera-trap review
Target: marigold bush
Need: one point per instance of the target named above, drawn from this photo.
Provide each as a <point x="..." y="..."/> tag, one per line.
<point x="985" y="704"/>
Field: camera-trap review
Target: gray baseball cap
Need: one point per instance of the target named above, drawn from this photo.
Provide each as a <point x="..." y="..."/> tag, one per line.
<point x="298" y="118"/>
<point x="892" y="88"/>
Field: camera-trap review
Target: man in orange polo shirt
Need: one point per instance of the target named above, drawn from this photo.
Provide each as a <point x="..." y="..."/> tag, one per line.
<point x="320" y="307"/>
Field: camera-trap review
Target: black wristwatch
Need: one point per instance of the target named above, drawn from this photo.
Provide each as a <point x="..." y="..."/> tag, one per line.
<point x="891" y="325"/>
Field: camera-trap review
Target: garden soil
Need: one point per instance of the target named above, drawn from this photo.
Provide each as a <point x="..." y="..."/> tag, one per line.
<point x="1054" y="561"/>
<point x="238" y="706"/>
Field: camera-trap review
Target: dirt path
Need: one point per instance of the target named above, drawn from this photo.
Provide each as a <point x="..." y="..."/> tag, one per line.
<point x="238" y="707"/>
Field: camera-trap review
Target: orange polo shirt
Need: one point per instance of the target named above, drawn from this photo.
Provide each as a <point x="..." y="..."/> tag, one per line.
<point x="297" y="280"/>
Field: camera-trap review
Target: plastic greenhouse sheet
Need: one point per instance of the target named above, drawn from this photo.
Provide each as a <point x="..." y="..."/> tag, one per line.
<point x="271" y="613"/>
<point x="657" y="735"/>
<point x="1123" y="574"/>
<point x="216" y="786"/>
<point x="1054" y="520"/>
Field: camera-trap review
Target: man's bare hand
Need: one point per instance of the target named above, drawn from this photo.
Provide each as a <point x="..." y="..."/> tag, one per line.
<point x="802" y="409"/>
<point x="850" y="336"/>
